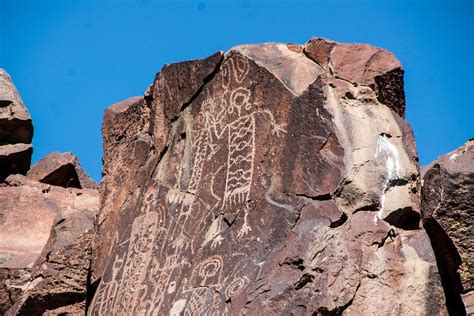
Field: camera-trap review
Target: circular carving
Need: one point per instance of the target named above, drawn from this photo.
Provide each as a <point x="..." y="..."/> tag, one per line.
<point x="240" y="99"/>
<point x="210" y="267"/>
<point x="236" y="287"/>
<point x="136" y="262"/>
<point x="142" y="245"/>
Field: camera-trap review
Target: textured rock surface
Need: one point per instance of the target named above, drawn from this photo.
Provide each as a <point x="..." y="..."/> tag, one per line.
<point x="448" y="215"/>
<point x="61" y="169"/>
<point x="14" y="159"/>
<point x="59" y="280"/>
<point x="16" y="130"/>
<point x="274" y="179"/>
<point x="42" y="253"/>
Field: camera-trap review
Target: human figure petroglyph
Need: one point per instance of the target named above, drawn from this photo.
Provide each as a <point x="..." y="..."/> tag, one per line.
<point x="153" y="273"/>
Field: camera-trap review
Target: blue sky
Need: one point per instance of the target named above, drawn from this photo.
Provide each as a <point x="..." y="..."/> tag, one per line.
<point x="70" y="60"/>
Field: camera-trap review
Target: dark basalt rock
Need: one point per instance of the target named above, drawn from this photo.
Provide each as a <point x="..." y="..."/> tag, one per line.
<point x="14" y="159"/>
<point x="250" y="183"/>
<point x="16" y="130"/>
<point x="448" y="215"/>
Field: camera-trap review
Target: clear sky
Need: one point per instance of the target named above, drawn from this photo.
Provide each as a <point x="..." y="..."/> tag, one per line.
<point x="70" y="60"/>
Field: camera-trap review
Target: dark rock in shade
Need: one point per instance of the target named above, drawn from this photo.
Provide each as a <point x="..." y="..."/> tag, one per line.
<point x="61" y="169"/>
<point x="266" y="188"/>
<point x="15" y="121"/>
<point x="448" y="215"/>
<point x="42" y="251"/>
<point x="16" y="130"/>
<point x="14" y="159"/>
<point x="59" y="280"/>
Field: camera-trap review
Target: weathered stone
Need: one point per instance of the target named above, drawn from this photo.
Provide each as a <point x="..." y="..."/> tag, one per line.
<point x="126" y="145"/>
<point x="59" y="279"/>
<point x="16" y="130"/>
<point x="15" y="121"/>
<point x="268" y="187"/>
<point x="362" y="65"/>
<point x="61" y="169"/>
<point x="468" y="300"/>
<point x="12" y="281"/>
<point x="39" y="228"/>
<point x="448" y="215"/>
<point x="129" y="148"/>
<point x="14" y="159"/>
<point x="319" y="50"/>
<point x="27" y="218"/>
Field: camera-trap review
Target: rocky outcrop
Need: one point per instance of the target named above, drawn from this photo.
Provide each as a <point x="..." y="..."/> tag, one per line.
<point x="61" y="169"/>
<point x="45" y="229"/>
<point x="16" y="130"/>
<point x="448" y="215"/>
<point x="272" y="179"/>
<point x="41" y="240"/>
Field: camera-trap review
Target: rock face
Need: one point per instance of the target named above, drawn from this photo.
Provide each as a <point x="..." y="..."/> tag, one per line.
<point x="61" y="169"/>
<point x="43" y="254"/>
<point x="448" y="215"/>
<point x="272" y="179"/>
<point x="45" y="230"/>
<point x="16" y="130"/>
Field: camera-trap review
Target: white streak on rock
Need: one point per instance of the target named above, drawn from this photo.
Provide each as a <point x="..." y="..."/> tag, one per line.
<point x="386" y="150"/>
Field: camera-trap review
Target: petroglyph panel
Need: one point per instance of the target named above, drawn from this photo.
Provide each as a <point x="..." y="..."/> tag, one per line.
<point x="238" y="209"/>
<point x="184" y="216"/>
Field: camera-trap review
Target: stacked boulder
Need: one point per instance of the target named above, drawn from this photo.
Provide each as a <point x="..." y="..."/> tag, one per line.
<point x="16" y="130"/>
<point x="46" y="220"/>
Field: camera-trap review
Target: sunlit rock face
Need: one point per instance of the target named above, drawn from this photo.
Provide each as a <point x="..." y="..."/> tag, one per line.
<point x="272" y="179"/>
<point x="44" y="257"/>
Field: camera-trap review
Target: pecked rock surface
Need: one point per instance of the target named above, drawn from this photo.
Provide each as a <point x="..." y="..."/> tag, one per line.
<point x="448" y="215"/>
<point x="44" y="245"/>
<point x="16" y="130"/>
<point x="272" y="179"/>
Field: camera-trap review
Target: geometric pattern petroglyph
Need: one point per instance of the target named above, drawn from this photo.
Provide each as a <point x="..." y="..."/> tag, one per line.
<point x="147" y="275"/>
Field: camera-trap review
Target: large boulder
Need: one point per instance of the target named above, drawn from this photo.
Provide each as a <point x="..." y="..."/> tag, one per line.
<point x="273" y="179"/>
<point x="44" y="258"/>
<point x="16" y="130"/>
<point x="61" y="169"/>
<point x="448" y="216"/>
<point x="46" y="220"/>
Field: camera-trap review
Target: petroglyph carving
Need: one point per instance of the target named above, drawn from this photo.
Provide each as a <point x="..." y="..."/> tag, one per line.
<point x="160" y="242"/>
<point x="214" y="233"/>
<point x="177" y="197"/>
<point x="241" y="177"/>
<point x="236" y="287"/>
